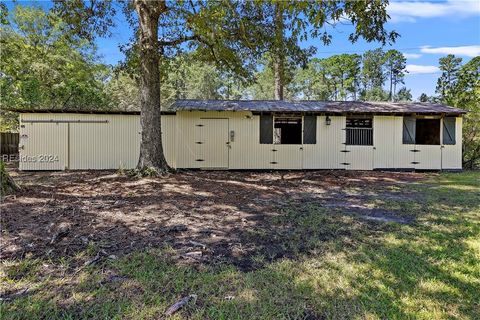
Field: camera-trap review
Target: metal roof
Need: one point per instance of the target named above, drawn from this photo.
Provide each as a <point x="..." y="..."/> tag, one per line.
<point x="329" y="107"/>
<point x="81" y="111"/>
<point x="314" y="106"/>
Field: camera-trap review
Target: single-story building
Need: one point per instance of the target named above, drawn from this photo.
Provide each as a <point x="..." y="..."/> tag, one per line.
<point x="221" y="134"/>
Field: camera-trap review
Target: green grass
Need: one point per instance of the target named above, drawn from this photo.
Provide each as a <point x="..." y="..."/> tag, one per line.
<point x="339" y="267"/>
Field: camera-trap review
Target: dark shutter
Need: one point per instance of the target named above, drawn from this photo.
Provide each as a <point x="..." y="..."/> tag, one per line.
<point x="266" y="129"/>
<point x="409" y="130"/>
<point x="310" y="130"/>
<point x="449" y="130"/>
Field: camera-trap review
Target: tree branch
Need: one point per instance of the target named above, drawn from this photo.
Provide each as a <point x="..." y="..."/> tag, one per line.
<point x="176" y="42"/>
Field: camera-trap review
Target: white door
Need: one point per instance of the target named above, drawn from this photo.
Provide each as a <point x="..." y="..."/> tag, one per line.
<point x="359" y="157"/>
<point x="43" y="146"/>
<point x="287" y="156"/>
<point x="215" y="145"/>
<point x="428" y="157"/>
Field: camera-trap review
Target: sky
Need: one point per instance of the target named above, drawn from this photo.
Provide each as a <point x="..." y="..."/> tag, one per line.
<point x="428" y="31"/>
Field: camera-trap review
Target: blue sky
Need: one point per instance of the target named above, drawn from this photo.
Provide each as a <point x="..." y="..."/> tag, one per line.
<point x="428" y="30"/>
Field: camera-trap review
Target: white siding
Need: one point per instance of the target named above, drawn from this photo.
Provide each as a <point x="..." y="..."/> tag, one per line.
<point x="43" y="146"/>
<point x="384" y="139"/>
<point x="287" y="156"/>
<point x="403" y="156"/>
<point x="452" y="154"/>
<point x="169" y="139"/>
<point x="111" y="145"/>
<point x="327" y="152"/>
<point x="359" y="158"/>
<point x="116" y="144"/>
<point x="428" y="157"/>
<point x="80" y="144"/>
<point x="213" y="143"/>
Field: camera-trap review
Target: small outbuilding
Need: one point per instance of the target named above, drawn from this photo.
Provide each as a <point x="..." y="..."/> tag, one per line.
<point x="224" y="134"/>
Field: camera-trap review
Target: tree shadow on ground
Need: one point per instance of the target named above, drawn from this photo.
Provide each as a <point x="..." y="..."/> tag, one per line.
<point x="263" y="237"/>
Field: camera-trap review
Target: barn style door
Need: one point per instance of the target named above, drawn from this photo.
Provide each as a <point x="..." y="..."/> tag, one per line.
<point x="43" y="146"/>
<point x="213" y="143"/>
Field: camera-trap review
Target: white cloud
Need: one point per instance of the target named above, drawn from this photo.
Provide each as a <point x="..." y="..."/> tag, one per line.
<point x="412" y="55"/>
<point x="406" y="11"/>
<point x="469" y="51"/>
<point x="419" y="69"/>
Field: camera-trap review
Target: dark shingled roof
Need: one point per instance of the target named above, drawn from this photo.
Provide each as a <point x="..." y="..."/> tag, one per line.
<point x="314" y="106"/>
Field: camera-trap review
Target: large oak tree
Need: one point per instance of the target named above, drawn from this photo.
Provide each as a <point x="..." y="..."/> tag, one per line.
<point x="230" y="32"/>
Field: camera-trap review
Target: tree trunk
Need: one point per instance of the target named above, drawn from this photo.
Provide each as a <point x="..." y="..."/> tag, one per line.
<point x="151" y="151"/>
<point x="279" y="54"/>
<point x="391" y="84"/>
<point x="394" y="89"/>
<point x="278" y="70"/>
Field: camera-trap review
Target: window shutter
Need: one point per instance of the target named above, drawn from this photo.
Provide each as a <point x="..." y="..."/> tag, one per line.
<point x="449" y="130"/>
<point x="409" y="130"/>
<point x="310" y="129"/>
<point x="266" y="129"/>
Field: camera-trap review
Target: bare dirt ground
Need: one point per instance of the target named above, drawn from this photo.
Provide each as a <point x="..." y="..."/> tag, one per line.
<point x="205" y="216"/>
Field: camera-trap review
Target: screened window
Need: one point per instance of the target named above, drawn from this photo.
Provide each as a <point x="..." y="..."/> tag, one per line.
<point x="266" y="129"/>
<point x="309" y="129"/>
<point x="359" y="131"/>
<point x="287" y="130"/>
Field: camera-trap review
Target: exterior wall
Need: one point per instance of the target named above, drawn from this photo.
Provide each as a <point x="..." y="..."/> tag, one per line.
<point x="76" y="143"/>
<point x="384" y="141"/>
<point x="330" y="152"/>
<point x="402" y="154"/>
<point x="204" y="140"/>
<point x="452" y="154"/>
<point x="43" y="146"/>
<point x="327" y="152"/>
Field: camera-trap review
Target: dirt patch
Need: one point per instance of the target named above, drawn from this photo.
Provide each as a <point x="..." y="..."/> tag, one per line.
<point x="205" y="216"/>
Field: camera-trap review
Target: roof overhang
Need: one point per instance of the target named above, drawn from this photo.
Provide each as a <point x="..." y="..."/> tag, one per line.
<point x="316" y="107"/>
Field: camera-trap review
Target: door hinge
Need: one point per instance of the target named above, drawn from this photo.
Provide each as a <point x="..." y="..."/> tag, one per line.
<point x="199" y="142"/>
<point x="345" y="163"/>
<point x="273" y="162"/>
<point x="344" y="150"/>
<point x="274" y="150"/>
<point x="415" y="150"/>
<point x="199" y="160"/>
<point x="199" y="125"/>
<point x="414" y="162"/>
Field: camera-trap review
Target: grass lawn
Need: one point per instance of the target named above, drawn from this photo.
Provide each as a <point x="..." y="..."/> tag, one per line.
<point x="321" y="262"/>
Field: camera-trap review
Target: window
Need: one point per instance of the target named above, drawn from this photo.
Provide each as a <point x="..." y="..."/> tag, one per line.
<point x="266" y="129"/>
<point x="287" y="130"/>
<point x="427" y="131"/>
<point x="309" y="129"/>
<point x="359" y="131"/>
<point x="422" y="131"/>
